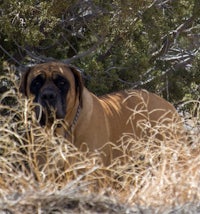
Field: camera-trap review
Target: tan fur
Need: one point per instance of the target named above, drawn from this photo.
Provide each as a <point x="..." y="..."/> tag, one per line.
<point x="107" y="118"/>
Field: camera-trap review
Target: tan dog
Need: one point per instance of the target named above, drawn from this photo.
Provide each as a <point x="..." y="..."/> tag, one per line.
<point x="59" y="89"/>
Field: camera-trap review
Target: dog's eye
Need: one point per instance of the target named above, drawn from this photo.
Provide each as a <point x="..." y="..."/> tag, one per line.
<point x="36" y="84"/>
<point x="61" y="83"/>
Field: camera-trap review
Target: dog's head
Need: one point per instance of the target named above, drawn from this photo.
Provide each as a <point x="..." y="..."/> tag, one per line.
<point x="55" y="87"/>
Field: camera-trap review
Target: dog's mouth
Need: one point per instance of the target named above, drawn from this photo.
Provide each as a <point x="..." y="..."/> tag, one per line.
<point x="50" y="115"/>
<point x="45" y="115"/>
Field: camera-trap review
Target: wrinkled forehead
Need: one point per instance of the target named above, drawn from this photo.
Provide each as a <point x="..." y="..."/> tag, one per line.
<point x="51" y="69"/>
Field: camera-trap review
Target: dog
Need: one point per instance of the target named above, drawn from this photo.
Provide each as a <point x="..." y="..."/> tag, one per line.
<point x="59" y="91"/>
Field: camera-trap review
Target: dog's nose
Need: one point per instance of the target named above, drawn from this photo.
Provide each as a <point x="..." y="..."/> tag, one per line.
<point x="49" y="96"/>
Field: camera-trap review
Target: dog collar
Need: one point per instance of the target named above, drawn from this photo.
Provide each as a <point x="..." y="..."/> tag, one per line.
<point x="69" y="130"/>
<point x="75" y="118"/>
<point x="71" y="127"/>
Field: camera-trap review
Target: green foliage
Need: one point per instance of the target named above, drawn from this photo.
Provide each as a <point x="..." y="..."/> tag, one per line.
<point x="145" y="44"/>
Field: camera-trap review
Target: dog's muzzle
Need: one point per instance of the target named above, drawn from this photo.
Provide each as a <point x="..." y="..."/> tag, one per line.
<point x="49" y="101"/>
<point x="48" y="98"/>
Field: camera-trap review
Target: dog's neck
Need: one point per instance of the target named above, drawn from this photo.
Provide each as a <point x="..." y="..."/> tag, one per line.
<point x="66" y="126"/>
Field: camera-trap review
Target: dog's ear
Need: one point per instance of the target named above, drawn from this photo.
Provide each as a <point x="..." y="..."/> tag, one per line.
<point x="78" y="83"/>
<point x="23" y="82"/>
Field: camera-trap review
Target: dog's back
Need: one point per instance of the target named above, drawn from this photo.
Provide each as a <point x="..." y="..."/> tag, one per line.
<point x="139" y="115"/>
<point x="131" y="111"/>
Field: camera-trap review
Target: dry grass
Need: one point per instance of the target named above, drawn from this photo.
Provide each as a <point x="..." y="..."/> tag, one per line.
<point x="41" y="173"/>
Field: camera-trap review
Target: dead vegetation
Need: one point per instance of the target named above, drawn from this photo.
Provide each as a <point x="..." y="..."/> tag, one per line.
<point x="42" y="173"/>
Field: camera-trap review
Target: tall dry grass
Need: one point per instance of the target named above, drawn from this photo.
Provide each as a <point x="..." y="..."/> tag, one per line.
<point x="43" y="173"/>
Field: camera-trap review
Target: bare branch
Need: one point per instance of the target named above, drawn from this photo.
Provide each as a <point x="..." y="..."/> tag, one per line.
<point x="85" y="53"/>
<point x="8" y="54"/>
<point x="170" y="39"/>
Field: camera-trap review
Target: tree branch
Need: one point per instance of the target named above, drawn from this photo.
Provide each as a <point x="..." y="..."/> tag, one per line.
<point x="8" y="54"/>
<point x="85" y="53"/>
<point x="170" y="39"/>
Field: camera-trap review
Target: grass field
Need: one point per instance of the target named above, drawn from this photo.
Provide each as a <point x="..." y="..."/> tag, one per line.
<point x="37" y="174"/>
